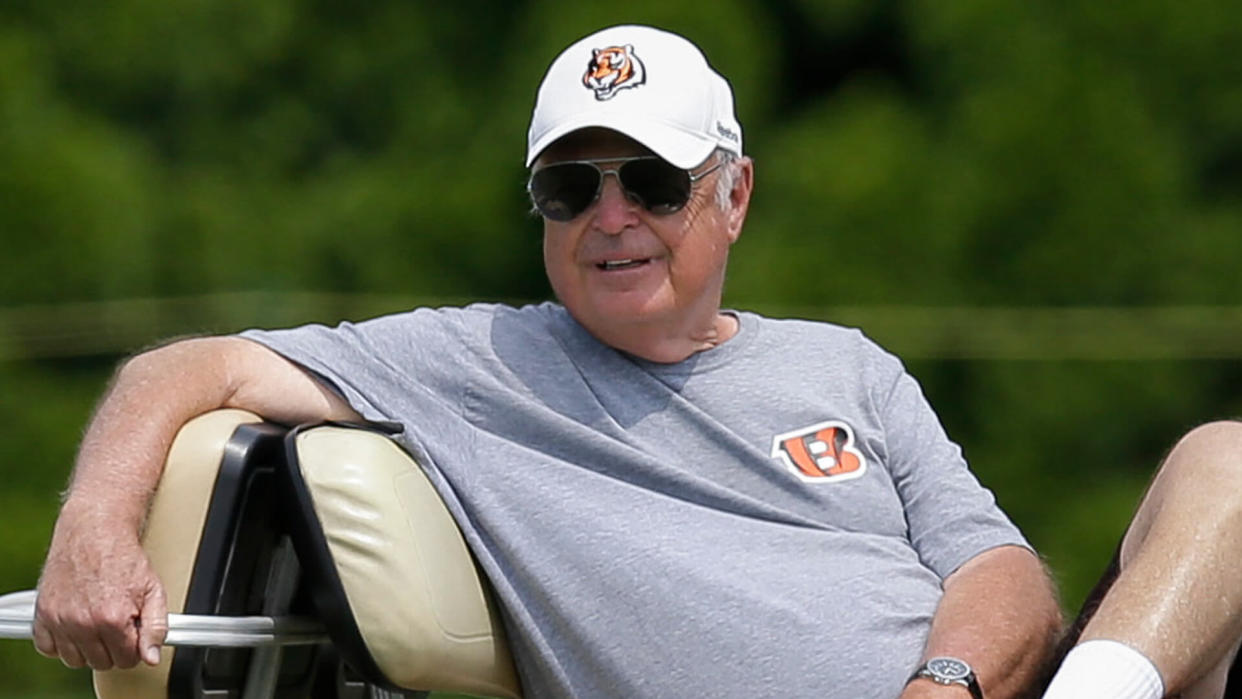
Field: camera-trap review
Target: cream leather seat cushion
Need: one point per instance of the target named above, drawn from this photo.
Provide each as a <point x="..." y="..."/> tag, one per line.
<point x="412" y="586"/>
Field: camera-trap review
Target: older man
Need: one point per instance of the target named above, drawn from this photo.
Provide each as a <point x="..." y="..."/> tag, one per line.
<point x="670" y="499"/>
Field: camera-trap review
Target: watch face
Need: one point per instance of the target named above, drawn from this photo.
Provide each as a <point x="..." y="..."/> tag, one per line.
<point x="949" y="669"/>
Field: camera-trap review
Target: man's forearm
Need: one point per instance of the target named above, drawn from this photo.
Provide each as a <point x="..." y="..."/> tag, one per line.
<point x="100" y="602"/>
<point x="121" y="456"/>
<point x="999" y="613"/>
<point x="154" y="394"/>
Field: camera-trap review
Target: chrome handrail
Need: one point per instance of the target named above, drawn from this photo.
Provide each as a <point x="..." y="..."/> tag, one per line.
<point x="17" y="619"/>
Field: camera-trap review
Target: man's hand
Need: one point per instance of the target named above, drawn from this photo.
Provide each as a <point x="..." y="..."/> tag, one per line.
<point x="100" y="603"/>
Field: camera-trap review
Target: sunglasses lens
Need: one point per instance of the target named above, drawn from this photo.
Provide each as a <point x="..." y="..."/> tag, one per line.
<point x="659" y="186"/>
<point x="561" y="192"/>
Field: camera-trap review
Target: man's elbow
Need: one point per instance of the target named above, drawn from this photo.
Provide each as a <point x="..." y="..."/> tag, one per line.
<point x="195" y="371"/>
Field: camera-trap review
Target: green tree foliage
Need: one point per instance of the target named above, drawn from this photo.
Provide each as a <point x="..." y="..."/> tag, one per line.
<point x="908" y="153"/>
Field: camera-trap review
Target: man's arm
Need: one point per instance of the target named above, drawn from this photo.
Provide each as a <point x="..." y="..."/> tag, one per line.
<point x="99" y="603"/>
<point x="999" y="613"/>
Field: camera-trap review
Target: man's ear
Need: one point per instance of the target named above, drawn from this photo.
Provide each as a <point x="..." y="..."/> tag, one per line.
<point x="739" y="196"/>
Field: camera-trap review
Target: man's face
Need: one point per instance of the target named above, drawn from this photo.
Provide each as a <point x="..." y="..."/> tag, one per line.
<point x="617" y="265"/>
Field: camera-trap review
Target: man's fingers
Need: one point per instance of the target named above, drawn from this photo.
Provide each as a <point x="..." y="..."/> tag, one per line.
<point x="43" y="641"/>
<point x="97" y="636"/>
<point x="96" y="653"/>
<point x="118" y="630"/>
<point x="69" y="654"/>
<point x="102" y="635"/>
<point x="153" y="625"/>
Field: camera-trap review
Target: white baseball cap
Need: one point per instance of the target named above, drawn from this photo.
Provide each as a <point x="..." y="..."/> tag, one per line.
<point x="651" y="85"/>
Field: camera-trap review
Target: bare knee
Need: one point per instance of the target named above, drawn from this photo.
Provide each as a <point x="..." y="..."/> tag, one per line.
<point x="1210" y="454"/>
<point x="1198" y="488"/>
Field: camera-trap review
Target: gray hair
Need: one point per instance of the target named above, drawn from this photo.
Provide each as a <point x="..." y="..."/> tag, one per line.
<point x="726" y="177"/>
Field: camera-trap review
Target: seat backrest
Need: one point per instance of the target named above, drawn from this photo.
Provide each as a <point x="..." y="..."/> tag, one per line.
<point x="212" y="536"/>
<point x="391" y="576"/>
<point x="404" y="605"/>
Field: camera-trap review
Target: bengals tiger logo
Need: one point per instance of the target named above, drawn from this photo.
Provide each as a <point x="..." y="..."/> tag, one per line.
<point x="821" y="453"/>
<point x="613" y="68"/>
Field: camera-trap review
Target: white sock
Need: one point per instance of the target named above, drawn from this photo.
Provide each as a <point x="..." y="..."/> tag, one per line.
<point x="1103" y="669"/>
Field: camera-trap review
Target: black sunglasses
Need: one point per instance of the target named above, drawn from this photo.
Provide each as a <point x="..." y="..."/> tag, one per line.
<point x="562" y="191"/>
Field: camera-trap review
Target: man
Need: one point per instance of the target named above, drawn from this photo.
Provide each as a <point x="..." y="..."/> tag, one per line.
<point x="670" y="499"/>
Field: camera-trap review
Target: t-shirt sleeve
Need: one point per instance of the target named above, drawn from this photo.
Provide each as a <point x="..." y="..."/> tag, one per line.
<point x="324" y="352"/>
<point x="381" y="367"/>
<point x="951" y="517"/>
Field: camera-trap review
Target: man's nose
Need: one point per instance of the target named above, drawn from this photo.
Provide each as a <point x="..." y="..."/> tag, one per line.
<point x="614" y="211"/>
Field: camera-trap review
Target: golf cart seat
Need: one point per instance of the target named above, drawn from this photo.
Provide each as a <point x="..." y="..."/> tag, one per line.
<point x="333" y="532"/>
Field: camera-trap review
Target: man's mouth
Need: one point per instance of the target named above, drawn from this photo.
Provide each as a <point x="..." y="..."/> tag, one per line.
<point x="627" y="263"/>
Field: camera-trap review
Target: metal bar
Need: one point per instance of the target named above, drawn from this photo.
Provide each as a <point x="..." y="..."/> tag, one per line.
<point x="17" y="617"/>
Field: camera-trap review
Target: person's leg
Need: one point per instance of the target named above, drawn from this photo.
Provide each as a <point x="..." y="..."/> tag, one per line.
<point x="1178" y="596"/>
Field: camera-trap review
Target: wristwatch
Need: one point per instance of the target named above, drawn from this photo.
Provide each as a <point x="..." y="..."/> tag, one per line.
<point x="946" y="670"/>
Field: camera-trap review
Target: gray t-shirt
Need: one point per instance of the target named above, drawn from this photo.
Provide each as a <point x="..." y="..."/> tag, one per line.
<point x="771" y="517"/>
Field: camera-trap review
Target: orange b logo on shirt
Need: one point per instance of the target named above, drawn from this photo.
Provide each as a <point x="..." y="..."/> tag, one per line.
<point x="821" y="453"/>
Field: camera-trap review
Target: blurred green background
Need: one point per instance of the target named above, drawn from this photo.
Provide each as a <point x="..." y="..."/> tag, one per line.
<point x="1038" y="205"/>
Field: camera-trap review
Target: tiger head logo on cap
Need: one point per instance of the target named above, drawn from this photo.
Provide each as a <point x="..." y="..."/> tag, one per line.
<point x="613" y="68"/>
